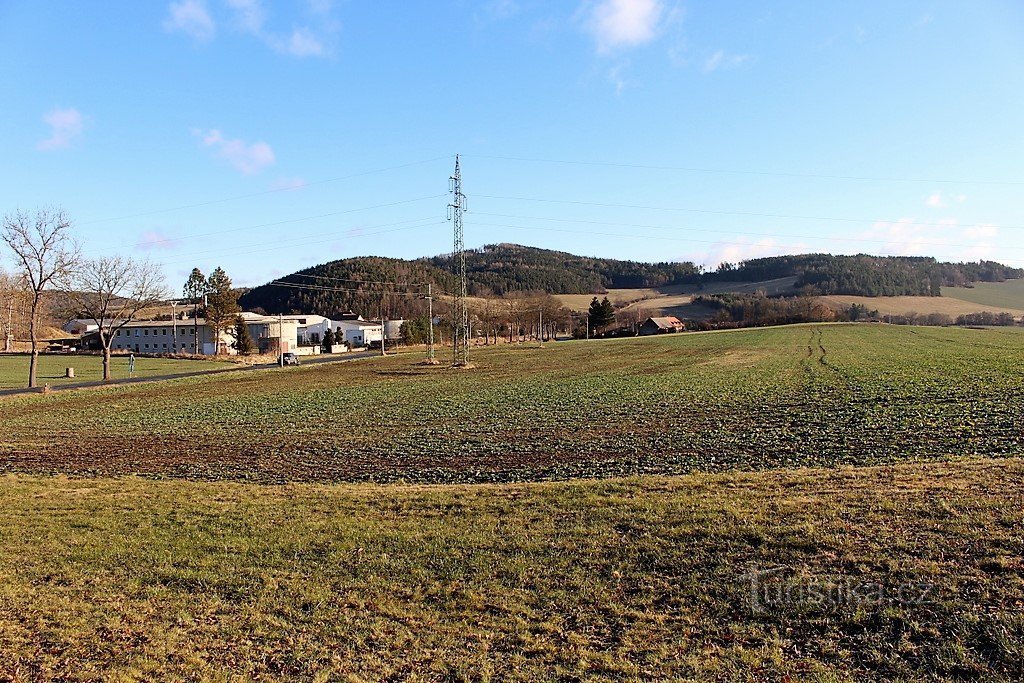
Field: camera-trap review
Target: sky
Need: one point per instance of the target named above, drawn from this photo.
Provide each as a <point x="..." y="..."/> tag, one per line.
<point x="264" y="136"/>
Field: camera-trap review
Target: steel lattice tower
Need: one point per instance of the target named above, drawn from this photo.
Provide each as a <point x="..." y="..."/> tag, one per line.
<point x="460" y="316"/>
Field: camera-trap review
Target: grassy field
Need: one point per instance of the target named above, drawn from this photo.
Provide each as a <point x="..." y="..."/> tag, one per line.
<point x="809" y="395"/>
<point x="14" y="368"/>
<point x="675" y="297"/>
<point x="922" y="305"/>
<point x="751" y="567"/>
<point x="1003" y="295"/>
<point x="911" y="572"/>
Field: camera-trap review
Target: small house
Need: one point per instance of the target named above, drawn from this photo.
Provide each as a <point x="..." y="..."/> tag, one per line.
<point x="663" y="325"/>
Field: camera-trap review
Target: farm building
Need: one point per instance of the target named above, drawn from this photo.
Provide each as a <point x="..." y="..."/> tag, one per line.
<point x="189" y="335"/>
<point x="663" y="325"/>
<point x="359" y="332"/>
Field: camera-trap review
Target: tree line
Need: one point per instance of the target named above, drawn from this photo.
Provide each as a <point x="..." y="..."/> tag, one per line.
<point x="505" y="269"/>
<point x="52" y="277"/>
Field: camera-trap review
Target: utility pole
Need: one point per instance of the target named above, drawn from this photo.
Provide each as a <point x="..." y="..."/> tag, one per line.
<point x="9" y="336"/>
<point x="430" y="323"/>
<point x="195" y="325"/>
<point x="460" y="316"/>
<point x="174" y="327"/>
<point x="383" y="329"/>
<point x="280" y="339"/>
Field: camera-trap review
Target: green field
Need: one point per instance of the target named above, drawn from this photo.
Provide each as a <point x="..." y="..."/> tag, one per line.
<point x="631" y="580"/>
<point x="14" y="368"/>
<point x="869" y="476"/>
<point x="753" y="399"/>
<point x="1009" y="294"/>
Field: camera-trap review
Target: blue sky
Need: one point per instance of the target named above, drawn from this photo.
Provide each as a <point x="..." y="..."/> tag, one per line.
<point x="264" y="136"/>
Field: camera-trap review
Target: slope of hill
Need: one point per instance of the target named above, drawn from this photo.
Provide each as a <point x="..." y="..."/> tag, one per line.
<point x="1002" y="295"/>
<point x="503" y="269"/>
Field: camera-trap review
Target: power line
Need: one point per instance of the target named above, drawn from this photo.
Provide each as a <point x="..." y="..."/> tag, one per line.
<point x="293" y="220"/>
<point x="266" y="192"/>
<point x="460" y="315"/>
<point x="653" y="237"/>
<point x="736" y="232"/>
<point x="752" y="214"/>
<point x="697" y="169"/>
<point x="418" y="223"/>
<point x="368" y="282"/>
<point x="324" y="288"/>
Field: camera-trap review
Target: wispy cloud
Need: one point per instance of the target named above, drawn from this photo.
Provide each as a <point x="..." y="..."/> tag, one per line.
<point x="743" y="248"/>
<point x="153" y="239"/>
<point x="938" y="200"/>
<point x="65" y="125"/>
<point x="302" y="41"/>
<point x="624" y="23"/>
<point x="192" y="18"/>
<point x="308" y="38"/>
<point x="724" y="60"/>
<point x="945" y="239"/>
<point x="249" y="14"/>
<point x="616" y="75"/>
<point x="495" y="11"/>
<point x="249" y="158"/>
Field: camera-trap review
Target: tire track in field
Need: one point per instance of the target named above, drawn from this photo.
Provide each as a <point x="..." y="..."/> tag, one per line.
<point x="835" y="401"/>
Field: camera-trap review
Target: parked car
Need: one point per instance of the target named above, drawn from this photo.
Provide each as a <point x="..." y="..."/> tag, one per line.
<point x="289" y="358"/>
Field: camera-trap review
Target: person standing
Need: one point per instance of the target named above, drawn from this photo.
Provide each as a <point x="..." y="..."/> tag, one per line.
<point x="131" y="364"/>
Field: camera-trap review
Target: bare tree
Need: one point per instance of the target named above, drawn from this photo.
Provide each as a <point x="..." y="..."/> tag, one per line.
<point x="44" y="252"/>
<point x="13" y="305"/>
<point x="111" y="291"/>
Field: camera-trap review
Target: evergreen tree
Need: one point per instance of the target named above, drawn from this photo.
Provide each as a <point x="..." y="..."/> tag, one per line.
<point x="328" y="340"/>
<point x="602" y="314"/>
<point x="243" y="340"/>
<point x="221" y="304"/>
<point x="194" y="291"/>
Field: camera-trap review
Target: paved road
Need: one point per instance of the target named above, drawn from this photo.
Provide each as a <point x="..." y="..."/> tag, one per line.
<point x="304" y="360"/>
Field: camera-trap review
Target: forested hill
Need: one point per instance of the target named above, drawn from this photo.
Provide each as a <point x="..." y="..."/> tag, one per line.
<point x="865" y="275"/>
<point x="500" y="269"/>
<point x="494" y="270"/>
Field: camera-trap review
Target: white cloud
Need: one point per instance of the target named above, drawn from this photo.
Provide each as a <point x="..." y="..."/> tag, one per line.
<point x="616" y="75"/>
<point x="625" y="23"/>
<point x="744" y="248"/>
<point x="937" y="200"/>
<point x="301" y="43"/>
<point x="497" y="10"/>
<point x="250" y="17"/>
<point x="724" y="60"/>
<point x="65" y="125"/>
<point x="245" y="157"/>
<point x="981" y="232"/>
<point x="249" y="14"/>
<point x="190" y="17"/>
<point x="944" y="239"/>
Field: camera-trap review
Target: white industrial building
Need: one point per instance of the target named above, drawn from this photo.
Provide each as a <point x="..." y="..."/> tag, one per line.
<point x="190" y="335"/>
